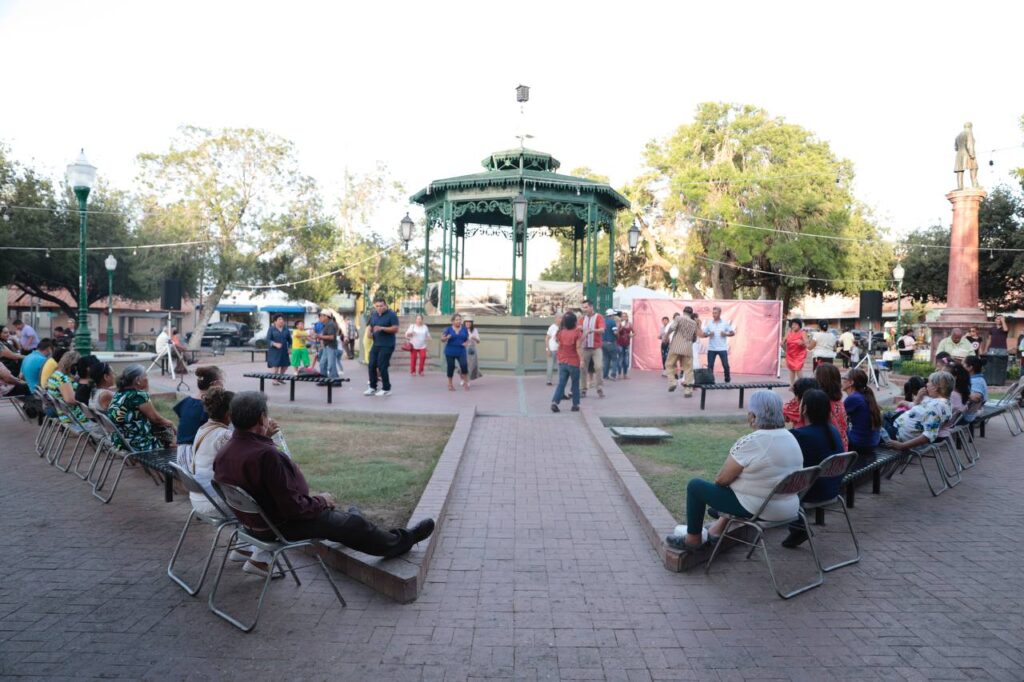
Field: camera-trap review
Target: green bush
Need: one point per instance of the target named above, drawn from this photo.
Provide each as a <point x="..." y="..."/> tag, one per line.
<point x="911" y="368"/>
<point x="1013" y="373"/>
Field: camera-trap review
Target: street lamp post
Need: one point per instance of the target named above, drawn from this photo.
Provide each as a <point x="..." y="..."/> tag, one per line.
<point x="897" y="274"/>
<point x="405" y="230"/>
<point x="634" y="237"/>
<point x="81" y="175"/>
<point x="674" y="274"/>
<point x="111" y="264"/>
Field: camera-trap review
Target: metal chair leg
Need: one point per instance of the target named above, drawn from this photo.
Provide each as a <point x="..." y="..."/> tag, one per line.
<point x="853" y="535"/>
<point x="100" y="483"/>
<point x="192" y="591"/>
<point x="330" y="579"/>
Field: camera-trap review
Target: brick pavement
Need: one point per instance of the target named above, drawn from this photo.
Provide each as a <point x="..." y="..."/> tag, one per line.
<point x="541" y="573"/>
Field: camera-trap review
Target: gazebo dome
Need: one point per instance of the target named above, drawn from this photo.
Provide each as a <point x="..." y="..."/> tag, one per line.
<point x="510" y="159"/>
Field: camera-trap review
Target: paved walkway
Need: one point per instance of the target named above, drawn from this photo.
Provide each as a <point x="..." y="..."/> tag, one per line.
<point x="541" y="573"/>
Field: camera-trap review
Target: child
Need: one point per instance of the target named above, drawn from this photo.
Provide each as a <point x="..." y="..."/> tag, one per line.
<point x="300" y="353"/>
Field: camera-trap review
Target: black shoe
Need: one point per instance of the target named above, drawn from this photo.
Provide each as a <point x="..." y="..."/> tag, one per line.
<point x="421" y="531"/>
<point x="728" y="380"/>
<point x="554" y="407"/>
<point x="795" y="539"/>
<point x="575" y="408"/>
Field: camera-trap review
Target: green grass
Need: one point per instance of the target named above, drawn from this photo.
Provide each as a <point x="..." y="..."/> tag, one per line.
<point x="381" y="464"/>
<point x="696" y="449"/>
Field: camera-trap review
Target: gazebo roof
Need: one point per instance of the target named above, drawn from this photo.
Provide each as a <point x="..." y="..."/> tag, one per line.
<point x="503" y="170"/>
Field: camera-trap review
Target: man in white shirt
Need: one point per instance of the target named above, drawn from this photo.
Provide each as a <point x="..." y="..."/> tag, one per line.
<point x="27" y="337"/>
<point x="551" y="340"/>
<point x="823" y="345"/>
<point x="162" y="341"/>
<point x="718" y="332"/>
<point x="847" y="340"/>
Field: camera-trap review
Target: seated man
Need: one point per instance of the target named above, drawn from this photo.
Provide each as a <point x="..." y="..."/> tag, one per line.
<point x="956" y="344"/>
<point x="32" y="366"/>
<point x="251" y="461"/>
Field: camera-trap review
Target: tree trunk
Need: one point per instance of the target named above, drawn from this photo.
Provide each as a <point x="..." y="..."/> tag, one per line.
<point x="209" y="306"/>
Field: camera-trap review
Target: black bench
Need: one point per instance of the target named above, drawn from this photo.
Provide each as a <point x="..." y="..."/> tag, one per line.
<point x="160" y="462"/>
<point x="883" y="458"/>
<point x="704" y="388"/>
<point x="251" y="351"/>
<point x="292" y="378"/>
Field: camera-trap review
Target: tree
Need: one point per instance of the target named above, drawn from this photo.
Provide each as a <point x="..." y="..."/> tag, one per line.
<point x="734" y="167"/>
<point x="235" y="188"/>
<point x="51" y="235"/>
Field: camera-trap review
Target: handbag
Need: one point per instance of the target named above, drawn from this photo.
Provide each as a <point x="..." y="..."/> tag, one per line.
<point x="703" y="376"/>
<point x="407" y="346"/>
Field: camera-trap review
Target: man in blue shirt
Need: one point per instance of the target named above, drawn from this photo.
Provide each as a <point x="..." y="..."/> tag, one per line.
<point x="609" y="347"/>
<point x="382" y="327"/>
<point x="32" y="365"/>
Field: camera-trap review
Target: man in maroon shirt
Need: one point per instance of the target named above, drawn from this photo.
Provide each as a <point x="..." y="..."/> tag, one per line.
<point x="251" y="461"/>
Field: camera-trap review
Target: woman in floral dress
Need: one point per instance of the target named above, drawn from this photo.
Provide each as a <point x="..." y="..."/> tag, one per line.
<point x="135" y="416"/>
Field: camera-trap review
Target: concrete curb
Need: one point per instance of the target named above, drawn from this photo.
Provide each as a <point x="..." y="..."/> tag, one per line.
<point x="403" y="578"/>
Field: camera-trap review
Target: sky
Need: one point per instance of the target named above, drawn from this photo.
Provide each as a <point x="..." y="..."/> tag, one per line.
<point x="428" y="88"/>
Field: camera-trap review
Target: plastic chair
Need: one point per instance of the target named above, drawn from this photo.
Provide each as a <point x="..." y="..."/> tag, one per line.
<point x="242" y="503"/>
<point x="796" y="483"/>
<point x="220" y="519"/>
<point x="836" y="465"/>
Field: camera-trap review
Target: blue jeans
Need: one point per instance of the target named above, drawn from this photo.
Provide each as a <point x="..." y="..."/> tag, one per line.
<point x="611" y="359"/>
<point x="701" y="494"/>
<point x="329" y="363"/>
<point x="724" y="354"/>
<point x="565" y="373"/>
<point x="380" y="361"/>
<point x="624" y="360"/>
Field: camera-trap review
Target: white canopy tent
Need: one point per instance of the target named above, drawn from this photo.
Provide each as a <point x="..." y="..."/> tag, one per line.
<point x="624" y="299"/>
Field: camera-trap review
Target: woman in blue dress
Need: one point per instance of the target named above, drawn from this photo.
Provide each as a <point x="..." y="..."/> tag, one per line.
<point x="454" y="339"/>
<point x="279" y="343"/>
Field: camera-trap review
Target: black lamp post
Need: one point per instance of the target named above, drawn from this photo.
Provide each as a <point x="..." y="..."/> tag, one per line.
<point x="81" y="175"/>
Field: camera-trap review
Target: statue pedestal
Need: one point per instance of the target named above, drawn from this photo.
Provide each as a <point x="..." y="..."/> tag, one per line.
<point x="962" y="288"/>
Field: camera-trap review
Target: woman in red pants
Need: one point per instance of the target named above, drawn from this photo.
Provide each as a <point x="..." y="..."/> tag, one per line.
<point x="418" y="335"/>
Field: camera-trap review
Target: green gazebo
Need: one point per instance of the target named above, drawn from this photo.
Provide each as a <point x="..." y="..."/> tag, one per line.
<point x="520" y="191"/>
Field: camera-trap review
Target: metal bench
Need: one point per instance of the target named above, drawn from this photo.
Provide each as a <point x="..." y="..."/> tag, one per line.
<point x="292" y="378"/>
<point x="883" y="458"/>
<point x="704" y="388"/>
<point x="251" y="351"/>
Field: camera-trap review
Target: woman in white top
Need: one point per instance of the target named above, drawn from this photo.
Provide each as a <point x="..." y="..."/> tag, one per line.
<point x="472" y="364"/>
<point x="755" y="465"/>
<point x="103" y="380"/>
<point x="822" y="345"/>
<point x="418" y="335"/>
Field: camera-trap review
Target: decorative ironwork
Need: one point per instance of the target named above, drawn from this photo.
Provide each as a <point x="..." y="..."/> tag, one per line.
<point x="492" y="206"/>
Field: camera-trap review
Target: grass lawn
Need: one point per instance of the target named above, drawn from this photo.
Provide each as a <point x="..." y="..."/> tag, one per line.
<point x="380" y="464"/>
<point x="696" y="449"/>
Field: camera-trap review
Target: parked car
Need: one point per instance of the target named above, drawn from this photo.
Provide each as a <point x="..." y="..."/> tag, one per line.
<point x="877" y="340"/>
<point x="229" y="333"/>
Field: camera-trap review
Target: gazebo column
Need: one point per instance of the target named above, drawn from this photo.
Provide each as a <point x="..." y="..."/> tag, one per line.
<point x="426" y="263"/>
<point x="447" y="295"/>
<point x="611" y="254"/>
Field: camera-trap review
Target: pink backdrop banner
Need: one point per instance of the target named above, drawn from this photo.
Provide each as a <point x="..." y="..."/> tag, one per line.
<point x="754" y="349"/>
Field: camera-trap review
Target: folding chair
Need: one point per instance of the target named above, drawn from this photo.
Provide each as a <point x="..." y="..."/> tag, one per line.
<point x="73" y="426"/>
<point x="796" y="483"/>
<point x="50" y="426"/>
<point x="126" y="452"/>
<point x="101" y="442"/>
<point x="836" y="465"/>
<point x="60" y="430"/>
<point x="964" y="437"/>
<point x="242" y="503"/>
<point x="18" y="404"/>
<point x="220" y="519"/>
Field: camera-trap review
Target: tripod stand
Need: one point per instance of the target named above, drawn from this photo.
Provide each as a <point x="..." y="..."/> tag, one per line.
<point x="171" y="355"/>
<point x="867" y="364"/>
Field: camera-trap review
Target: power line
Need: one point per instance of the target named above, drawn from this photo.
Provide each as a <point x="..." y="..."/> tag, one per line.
<point x="332" y="273"/>
<point x="782" y="274"/>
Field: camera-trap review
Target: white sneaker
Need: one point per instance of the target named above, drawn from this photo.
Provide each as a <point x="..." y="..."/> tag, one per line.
<point x="252" y="569"/>
<point x="370" y="391"/>
<point x="382" y="392"/>
<point x="237" y="555"/>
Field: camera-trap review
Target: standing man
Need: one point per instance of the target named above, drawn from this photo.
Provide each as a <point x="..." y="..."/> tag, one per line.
<point x="663" y="337"/>
<point x="609" y="347"/>
<point x="684" y="331"/>
<point x="351" y="334"/>
<point x="329" y="349"/>
<point x="593" y="333"/>
<point x="847" y="340"/>
<point x="382" y="327"/>
<point x="28" y="339"/>
<point x="718" y="332"/>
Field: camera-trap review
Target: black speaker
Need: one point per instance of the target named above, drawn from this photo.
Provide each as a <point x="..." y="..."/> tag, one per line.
<point x="871" y="306"/>
<point x="170" y="299"/>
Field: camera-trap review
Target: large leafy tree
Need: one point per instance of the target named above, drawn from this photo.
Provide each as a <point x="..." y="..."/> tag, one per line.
<point x="736" y="166"/>
<point x="48" y="226"/>
<point x="235" y="189"/>
<point x="1000" y="255"/>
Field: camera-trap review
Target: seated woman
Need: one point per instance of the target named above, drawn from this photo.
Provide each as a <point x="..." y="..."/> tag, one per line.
<point x="818" y="440"/>
<point x="10" y="385"/>
<point x="130" y="409"/>
<point x="62" y="384"/>
<point x="103" y="380"/>
<point x="832" y="384"/>
<point x="911" y="393"/>
<point x="920" y="424"/>
<point x="755" y="465"/>
<point x="191" y="414"/>
<point x="791" y="410"/>
<point x="863" y="414"/>
<point x="209" y="439"/>
<point x="83" y="391"/>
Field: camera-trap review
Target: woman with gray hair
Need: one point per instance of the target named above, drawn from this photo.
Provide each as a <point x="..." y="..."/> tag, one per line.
<point x="755" y="465"/>
<point x="921" y="423"/>
<point x="135" y="416"/>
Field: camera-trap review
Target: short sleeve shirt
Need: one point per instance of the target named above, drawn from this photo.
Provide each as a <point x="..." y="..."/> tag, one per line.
<point x="767" y="456"/>
<point x="567" y="339"/>
<point x="553" y="338"/>
<point x="388" y="319"/>
<point x="330" y="328"/>
<point x="824" y="345"/>
<point x="924" y="419"/>
<point x="717" y="340"/>
<point x="299" y="337"/>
